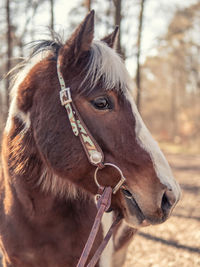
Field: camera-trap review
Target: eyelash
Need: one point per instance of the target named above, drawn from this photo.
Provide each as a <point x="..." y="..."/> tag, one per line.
<point x="102" y="103"/>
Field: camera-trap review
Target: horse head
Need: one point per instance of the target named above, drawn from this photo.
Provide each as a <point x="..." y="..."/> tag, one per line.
<point x="101" y="91"/>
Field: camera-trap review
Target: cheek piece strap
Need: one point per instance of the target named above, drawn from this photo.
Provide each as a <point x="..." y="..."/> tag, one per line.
<point x="92" y="149"/>
<point x="96" y="157"/>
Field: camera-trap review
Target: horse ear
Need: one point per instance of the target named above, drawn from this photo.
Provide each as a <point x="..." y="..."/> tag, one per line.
<point x="112" y="39"/>
<point x="81" y="39"/>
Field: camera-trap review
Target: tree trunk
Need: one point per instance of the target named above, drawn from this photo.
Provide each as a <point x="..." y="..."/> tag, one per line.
<point x="52" y="16"/>
<point x="118" y="19"/>
<point x="138" y="70"/>
<point x="88" y="4"/>
<point x="9" y="51"/>
<point x="174" y="112"/>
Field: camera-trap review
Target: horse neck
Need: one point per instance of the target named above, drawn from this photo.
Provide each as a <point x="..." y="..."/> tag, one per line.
<point x="34" y="197"/>
<point x="26" y="179"/>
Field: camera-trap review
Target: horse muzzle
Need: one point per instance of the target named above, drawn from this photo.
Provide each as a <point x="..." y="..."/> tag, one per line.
<point x="135" y="213"/>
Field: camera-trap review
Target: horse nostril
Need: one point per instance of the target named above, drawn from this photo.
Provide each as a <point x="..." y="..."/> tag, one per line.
<point x="168" y="200"/>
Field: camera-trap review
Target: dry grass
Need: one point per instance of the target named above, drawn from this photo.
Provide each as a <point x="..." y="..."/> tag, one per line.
<point x="189" y="148"/>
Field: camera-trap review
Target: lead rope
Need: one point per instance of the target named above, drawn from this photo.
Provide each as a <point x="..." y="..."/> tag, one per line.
<point x="103" y="205"/>
<point x="103" y="244"/>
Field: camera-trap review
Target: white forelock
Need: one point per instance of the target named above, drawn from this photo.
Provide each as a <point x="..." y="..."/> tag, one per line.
<point x="106" y="64"/>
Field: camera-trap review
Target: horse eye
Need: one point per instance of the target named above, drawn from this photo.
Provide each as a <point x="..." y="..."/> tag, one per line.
<point x="101" y="103"/>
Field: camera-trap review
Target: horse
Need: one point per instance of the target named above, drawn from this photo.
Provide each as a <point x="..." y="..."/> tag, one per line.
<point x="47" y="185"/>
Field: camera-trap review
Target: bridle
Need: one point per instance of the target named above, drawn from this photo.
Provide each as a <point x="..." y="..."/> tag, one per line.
<point x="95" y="156"/>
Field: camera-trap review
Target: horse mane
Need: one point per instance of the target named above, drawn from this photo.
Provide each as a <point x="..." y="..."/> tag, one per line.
<point x="53" y="46"/>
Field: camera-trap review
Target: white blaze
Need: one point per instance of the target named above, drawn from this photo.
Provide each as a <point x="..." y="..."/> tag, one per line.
<point x="146" y="141"/>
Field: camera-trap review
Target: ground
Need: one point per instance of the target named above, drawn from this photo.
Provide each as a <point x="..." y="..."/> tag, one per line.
<point x="176" y="243"/>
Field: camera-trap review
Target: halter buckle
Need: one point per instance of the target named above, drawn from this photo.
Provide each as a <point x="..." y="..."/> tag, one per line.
<point x="65" y="96"/>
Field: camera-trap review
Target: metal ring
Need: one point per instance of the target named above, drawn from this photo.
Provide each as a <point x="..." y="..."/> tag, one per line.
<point x="119" y="184"/>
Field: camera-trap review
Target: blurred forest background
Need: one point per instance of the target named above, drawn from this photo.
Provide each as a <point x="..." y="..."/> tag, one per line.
<point x="162" y="59"/>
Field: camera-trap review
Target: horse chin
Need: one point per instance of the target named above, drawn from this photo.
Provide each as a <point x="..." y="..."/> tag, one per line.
<point x="132" y="213"/>
<point x="133" y="222"/>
